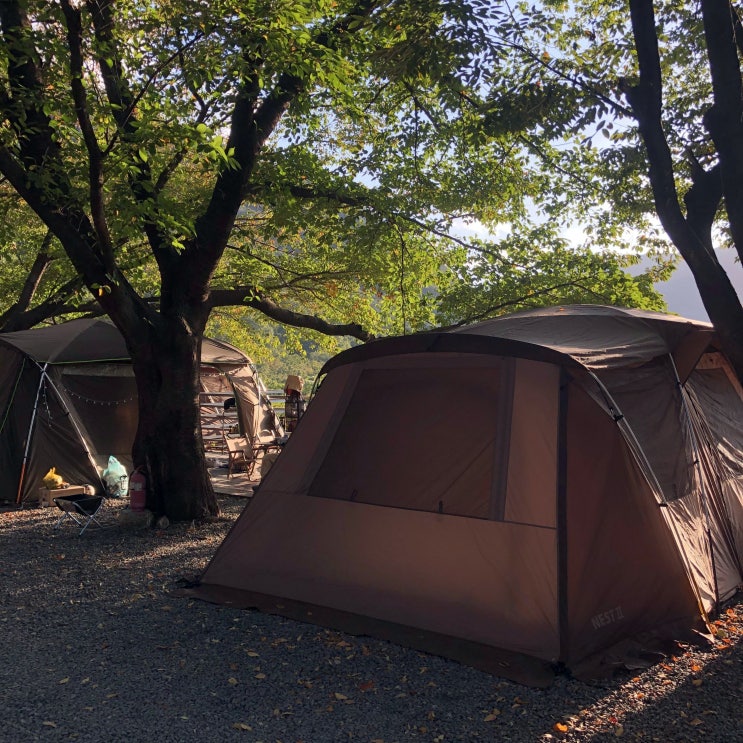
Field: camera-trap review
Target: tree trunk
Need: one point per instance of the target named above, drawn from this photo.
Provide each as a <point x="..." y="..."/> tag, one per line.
<point x="168" y="444"/>
<point x="691" y="234"/>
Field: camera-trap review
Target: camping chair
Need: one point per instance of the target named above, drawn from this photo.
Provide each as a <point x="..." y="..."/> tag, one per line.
<point x="265" y="443"/>
<point x="239" y="454"/>
<point x="80" y="508"/>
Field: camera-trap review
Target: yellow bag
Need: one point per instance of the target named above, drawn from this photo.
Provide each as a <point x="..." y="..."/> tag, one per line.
<point x="52" y="480"/>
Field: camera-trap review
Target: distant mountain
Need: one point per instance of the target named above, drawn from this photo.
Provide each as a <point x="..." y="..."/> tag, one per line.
<point x="681" y="293"/>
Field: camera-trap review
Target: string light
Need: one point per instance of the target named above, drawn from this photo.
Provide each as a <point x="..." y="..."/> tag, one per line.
<point x="102" y="403"/>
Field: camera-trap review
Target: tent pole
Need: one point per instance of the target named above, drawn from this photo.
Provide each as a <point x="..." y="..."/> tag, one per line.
<point x="18" y="498"/>
<point x="84" y="439"/>
<point x="698" y="466"/>
<point x="655" y="486"/>
<point x="563" y="598"/>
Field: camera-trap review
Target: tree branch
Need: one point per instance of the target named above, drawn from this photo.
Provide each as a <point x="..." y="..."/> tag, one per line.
<point x="250" y="297"/>
<point x="95" y="156"/>
<point x="22" y="107"/>
<point x="646" y="100"/>
<point x="251" y="125"/>
<point x="123" y="104"/>
<point x="30" y="285"/>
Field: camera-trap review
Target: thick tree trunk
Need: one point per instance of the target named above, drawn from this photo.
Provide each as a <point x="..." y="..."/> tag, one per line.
<point x="169" y="444"/>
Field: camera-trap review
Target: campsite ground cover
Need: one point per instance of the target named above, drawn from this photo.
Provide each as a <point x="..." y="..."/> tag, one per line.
<point x="95" y="648"/>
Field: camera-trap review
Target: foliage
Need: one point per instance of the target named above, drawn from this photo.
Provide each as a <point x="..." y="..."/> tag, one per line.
<point x="305" y="159"/>
<point x="674" y="93"/>
<point x="542" y="270"/>
<point x="388" y="142"/>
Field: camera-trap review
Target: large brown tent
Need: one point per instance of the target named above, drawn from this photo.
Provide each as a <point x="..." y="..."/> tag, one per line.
<point x="68" y="399"/>
<point x="554" y="488"/>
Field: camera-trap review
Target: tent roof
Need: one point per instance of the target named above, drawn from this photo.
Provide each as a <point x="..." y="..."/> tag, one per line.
<point x="594" y="336"/>
<point x="89" y="340"/>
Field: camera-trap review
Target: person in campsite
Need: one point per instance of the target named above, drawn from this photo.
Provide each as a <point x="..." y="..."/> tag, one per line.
<point x="294" y="404"/>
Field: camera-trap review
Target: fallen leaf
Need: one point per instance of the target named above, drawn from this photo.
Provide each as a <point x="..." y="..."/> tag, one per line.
<point x="696" y="721"/>
<point x="241" y="726"/>
<point x="49" y="724"/>
<point x="232" y="681"/>
<point x="260" y="675"/>
<point x="697" y="682"/>
<point x="366" y="686"/>
<point x="619" y="731"/>
<point x="64" y="680"/>
<point x="560" y="727"/>
<point x="340" y="697"/>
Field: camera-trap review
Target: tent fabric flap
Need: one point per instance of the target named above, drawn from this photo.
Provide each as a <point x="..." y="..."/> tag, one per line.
<point x="626" y="577"/>
<point x="398" y="566"/>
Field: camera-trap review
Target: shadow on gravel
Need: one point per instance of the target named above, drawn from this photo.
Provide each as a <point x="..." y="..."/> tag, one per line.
<point x="96" y="649"/>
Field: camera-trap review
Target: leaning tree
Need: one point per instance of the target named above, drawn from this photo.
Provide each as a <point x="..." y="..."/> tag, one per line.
<point x="662" y="102"/>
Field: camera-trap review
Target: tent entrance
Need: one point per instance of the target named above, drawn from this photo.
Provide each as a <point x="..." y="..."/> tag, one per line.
<point x="447" y="439"/>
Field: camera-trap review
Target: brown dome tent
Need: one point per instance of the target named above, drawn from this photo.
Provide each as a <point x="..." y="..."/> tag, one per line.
<point x="68" y="399"/>
<point x="555" y="488"/>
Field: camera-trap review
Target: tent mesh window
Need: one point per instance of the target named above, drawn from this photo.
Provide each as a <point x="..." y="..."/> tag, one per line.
<point x="421" y="439"/>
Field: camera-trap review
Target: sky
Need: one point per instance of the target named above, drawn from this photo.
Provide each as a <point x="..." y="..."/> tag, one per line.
<point x="681" y="293"/>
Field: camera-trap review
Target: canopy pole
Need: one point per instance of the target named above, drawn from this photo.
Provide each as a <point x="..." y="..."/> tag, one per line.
<point x="42" y="377"/>
<point x="563" y="596"/>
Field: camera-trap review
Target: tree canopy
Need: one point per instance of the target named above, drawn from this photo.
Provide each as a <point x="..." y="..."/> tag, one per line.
<point x="361" y="182"/>
<point x="305" y="159"/>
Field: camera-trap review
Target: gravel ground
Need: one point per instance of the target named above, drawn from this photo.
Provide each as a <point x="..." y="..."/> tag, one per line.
<point x="94" y="648"/>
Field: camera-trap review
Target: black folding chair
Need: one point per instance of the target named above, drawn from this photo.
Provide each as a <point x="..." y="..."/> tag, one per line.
<point x="81" y="509"/>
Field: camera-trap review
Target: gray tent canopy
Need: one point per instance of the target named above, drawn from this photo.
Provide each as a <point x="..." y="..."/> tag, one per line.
<point x="68" y="399"/>
<point x="553" y="488"/>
